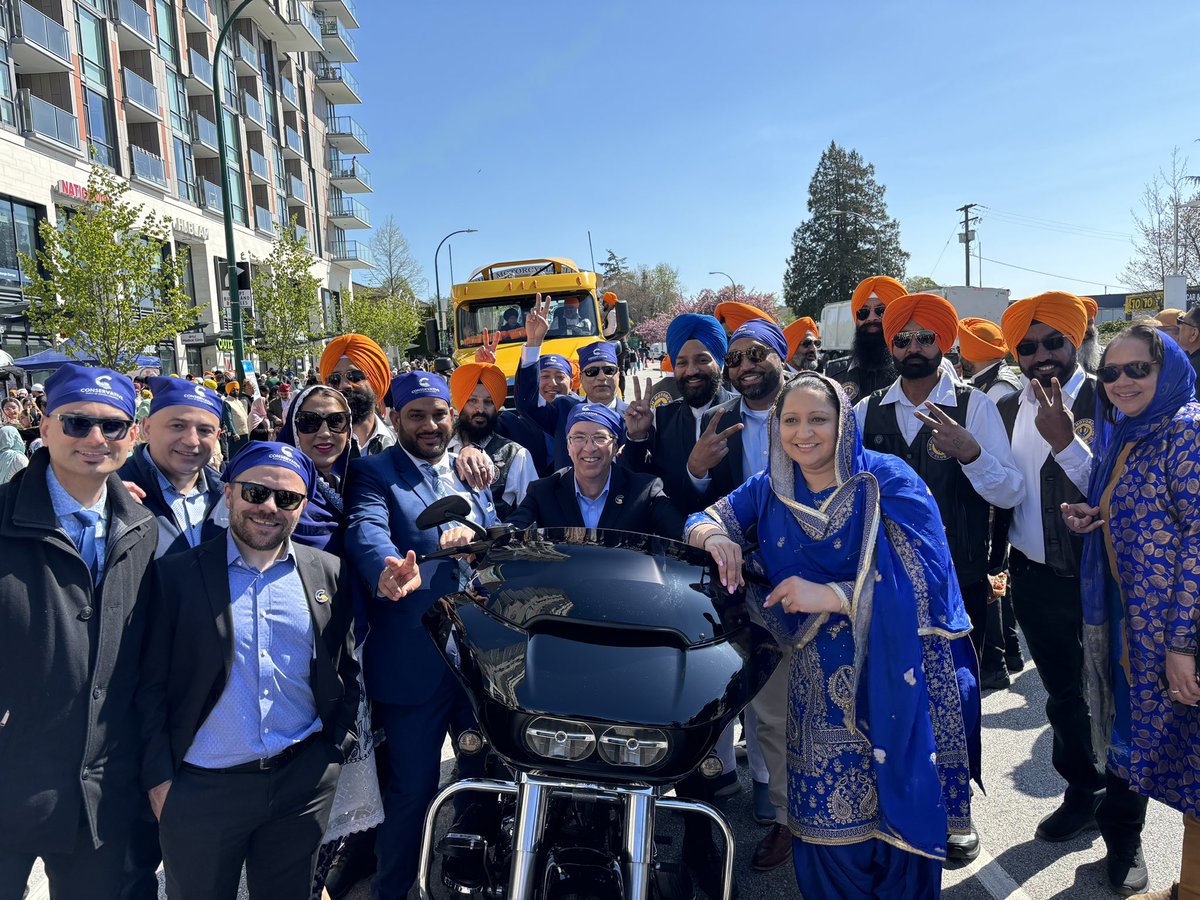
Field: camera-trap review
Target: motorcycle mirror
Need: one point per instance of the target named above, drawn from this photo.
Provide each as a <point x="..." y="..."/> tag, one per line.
<point x="448" y="509"/>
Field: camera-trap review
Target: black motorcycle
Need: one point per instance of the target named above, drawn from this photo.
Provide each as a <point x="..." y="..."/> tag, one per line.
<point x="602" y="667"/>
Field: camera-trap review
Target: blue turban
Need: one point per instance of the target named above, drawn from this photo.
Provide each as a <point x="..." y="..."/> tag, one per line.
<point x="272" y="453"/>
<point x="417" y="386"/>
<point x="601" y="415"/>
<point x="179" y="392"/>
<point x="554" y="361"/>
<point x="764" y="331"/>
<point x="599" y="352"/>
<point x="73" y="383"/>
<point x="693" y="326"/>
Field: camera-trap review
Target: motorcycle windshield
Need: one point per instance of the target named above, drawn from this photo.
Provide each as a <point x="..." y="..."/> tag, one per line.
<point x="639" y="588"/>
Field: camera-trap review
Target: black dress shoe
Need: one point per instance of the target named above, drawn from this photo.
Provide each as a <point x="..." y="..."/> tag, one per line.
<point x="773" y="850"/>
<point x="1014" y="663"/>
<point x="1127" y="873"/>
<point x="1069" y="820"/>
<point x="994" y="681"/>
<point x="962" y="847"/>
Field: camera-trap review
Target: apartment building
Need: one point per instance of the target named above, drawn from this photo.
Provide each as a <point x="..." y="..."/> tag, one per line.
<point x="132" y="82"/>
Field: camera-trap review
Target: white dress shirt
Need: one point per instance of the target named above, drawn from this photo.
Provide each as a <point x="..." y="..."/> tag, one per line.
<point x="1030" y="450"/>
<point x="521" y="471"/>
<point x="994" y="474"/>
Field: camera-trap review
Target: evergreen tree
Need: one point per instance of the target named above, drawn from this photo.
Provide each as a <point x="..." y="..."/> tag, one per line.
<point x="614" y="268"/>
<point x="833" y="251"/>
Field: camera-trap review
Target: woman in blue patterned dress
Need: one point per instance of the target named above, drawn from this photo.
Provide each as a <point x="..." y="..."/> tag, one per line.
<point x="1141" y="577"/>
<point x="882" y="711"/>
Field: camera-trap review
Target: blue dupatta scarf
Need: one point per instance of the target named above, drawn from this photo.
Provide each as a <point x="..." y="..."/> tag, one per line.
<point x="320" y="524"/>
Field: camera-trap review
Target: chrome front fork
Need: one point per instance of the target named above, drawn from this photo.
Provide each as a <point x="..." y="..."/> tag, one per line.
<point x="533" y="796"/>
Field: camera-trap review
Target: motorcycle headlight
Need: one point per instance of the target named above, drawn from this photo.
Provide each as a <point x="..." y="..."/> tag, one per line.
<point x="628" y="746"/>
<point x="560" y="738"/>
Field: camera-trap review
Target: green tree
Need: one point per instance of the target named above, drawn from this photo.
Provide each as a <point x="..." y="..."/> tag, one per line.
<point x="614" y="267"/>
<point x="287" y="311"/>
<point x="920" y="284"/>
<point x="648" y="291"/>
<point x="391" y="320"/>
<point x="846" y="238"/>
<point x="103" y="281"/>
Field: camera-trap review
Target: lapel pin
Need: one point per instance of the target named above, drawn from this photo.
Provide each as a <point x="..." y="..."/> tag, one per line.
<point x="322" y="596"/>
<point x="620" y="499"/>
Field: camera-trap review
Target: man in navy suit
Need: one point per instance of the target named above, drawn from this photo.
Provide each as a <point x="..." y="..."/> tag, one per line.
<point x="416" y="699"/>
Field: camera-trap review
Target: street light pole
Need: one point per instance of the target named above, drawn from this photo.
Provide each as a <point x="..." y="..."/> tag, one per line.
<point x="732" y="283"/>
<point x="231" y="270"/>
<point x="437" y="281"/>
<point x="871" y="225"/>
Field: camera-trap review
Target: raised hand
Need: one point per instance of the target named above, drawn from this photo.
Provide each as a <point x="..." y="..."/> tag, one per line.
<point x="400" y="577"/>
<point x="711" y="448"/>
<point x="487" y="351"/>
<point x="948" y="436"/>
<point x="1080" y="517"/>
<point x="1053" y="420"/>
<point x="638" y="415"/>
<point x="537" y="322"/>
<point x="475" y="468"/>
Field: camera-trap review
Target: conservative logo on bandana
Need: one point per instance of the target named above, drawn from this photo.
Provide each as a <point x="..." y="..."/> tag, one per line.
<point x="1086" y="429"/>
<point x="934" y="452"/>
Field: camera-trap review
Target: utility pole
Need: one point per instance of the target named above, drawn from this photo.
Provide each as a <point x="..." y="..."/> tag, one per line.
<point x="966" y="236"/>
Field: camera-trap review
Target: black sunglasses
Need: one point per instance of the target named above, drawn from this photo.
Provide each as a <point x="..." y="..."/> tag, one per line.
<point x="310" y="422"/>
<point x="354" y="376"/>
<point x="755" y="354"/>
<point x="593" y="371"/>
<point x="81" y="426"/>
<point x="864" y="312"/>
<point x="904" y="338"/>
<point x="1135" y="370"/>
<point x="811" y="343"/>
<point x="1052" y="343"/>
<point x="258" y="494"/>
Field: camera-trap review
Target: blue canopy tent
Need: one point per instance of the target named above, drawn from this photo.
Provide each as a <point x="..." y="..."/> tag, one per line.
<point x="51" y="360"/>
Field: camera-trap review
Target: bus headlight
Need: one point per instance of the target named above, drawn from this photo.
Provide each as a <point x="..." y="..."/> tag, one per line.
<point x="560" y="738"/>
<point x="630" y="746"/>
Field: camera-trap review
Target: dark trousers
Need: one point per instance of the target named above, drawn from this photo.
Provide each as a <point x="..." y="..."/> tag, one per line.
<point x="1012" y="643"/>
<point x="985" y="632"/>
<point x="1050" y="610"/>
<point x="86" y="873"/>
<point x="142" y="857"/>
<point x="414" y="752"/>
<point x="271" y="821"/>
<point x="992" y="656"/>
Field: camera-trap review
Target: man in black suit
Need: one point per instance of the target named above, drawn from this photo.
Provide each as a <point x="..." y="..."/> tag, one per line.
<point x="592" y="492"/>
<point x="249" y="692"/>
<point x="660" y="439"/>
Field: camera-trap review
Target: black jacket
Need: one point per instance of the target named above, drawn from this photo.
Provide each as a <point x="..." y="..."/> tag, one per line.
<point x="635" y="502"/>
<point x="189" y="654"/>
<point x="69" y="662"/>
<point x="140" y="470"/>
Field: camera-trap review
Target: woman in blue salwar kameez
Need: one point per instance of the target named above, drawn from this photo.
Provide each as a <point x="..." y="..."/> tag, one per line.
<point x="884" y="710"/>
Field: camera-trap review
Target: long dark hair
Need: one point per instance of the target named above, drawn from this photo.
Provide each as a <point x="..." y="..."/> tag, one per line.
<point x="1150" y="336"/>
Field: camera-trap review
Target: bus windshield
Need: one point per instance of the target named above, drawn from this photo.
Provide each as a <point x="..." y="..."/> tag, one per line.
<point x="572" y="314"/>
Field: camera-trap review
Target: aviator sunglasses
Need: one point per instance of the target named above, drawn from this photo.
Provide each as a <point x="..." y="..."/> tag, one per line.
<point x="354" y="376"/>
<point x="310" y="422"/>
<point x="258" y="494"/>
<point x="755" y="354"/>
<point x="1052" y="343"/>
<point x="904" y="338"/>
<point x="593" y="371"/>
<point x="1135" y="370"/>
<point x="81" y="426"/>
<point x="864" y="312"/>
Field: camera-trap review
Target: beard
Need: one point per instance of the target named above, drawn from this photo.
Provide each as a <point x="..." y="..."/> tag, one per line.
<point x="768" y="386"/>
<point x="238" y="522"/>
<point x="362" y="405"/>
<point x="477" y="428"/>
<point x="1089" y="354"/>
<point x="699" y="390"/>
<point x="809" y="365"/>
<point x="871" y="350"/>
<point x="1062" y="371"/>
<point x="918" y="366"/>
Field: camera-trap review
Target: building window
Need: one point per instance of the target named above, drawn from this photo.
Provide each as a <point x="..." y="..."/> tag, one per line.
<point x="7" y="112"/>
<point x="92" y="55"/>
<point x="185" y="172"/>
<point x="229" y="81"/>
<point x="268" y="103"/>
<point x="99" y="128"/>
<point x="178" y="102"/>
<point x="164" y="20"/>
<point x="18" y="232"/>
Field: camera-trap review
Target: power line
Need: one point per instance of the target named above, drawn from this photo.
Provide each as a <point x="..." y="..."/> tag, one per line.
<point x="1055" y="222"/>
<point x="1005" y="220"/>
<point x="1053" y="275"/>
<point x="943" y="253"/>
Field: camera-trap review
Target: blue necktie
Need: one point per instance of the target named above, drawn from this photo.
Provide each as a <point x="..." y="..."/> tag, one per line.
<point x="435" y="482"/>
<point x="87" y="539"/>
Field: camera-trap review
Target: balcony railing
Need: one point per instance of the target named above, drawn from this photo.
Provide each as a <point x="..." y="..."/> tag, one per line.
<point x="299" y="14"/>
<point x="352" y="252"/>
<point x="198" y="8"/>
<point x="204" y="131"/>
<point x="245" y="52"/>
<point x="258" y="166"/>
<point x="132" y="15"/>
<point x="336" y="72"/>
<point x="346" y="127"/>
<point x="291" y="138"/>
<point x="348" y="208"/>
<point x="288" y="91"/>
<point x="263" y="220"/>
<point x="211" y="196"/>
<point x="349" y="168"/>
<point x="296" y="189"/>
<point x="202" y="69"/>
<point x="147" y="166"/>
<point x="140" y="91"/>
<point x="251" y="108"/>
<point x="38" y="28"/>
<point x="47" y="120"/>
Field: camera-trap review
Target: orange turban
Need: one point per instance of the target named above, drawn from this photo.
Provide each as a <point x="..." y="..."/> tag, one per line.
<point x="980" y="340"/>
<point x="885" y="288"/>
<point x="1063" y="312"/>
<point x="734" y="315"/>
<point x="366" y="355"/>
<point x="797" y="331"/>
<point x="575" y="382"/>
<point x="467" y="376"/>
<point x="1092" y="307"/>
<point x="927" y="310"/>
<point x="664" y="365"/>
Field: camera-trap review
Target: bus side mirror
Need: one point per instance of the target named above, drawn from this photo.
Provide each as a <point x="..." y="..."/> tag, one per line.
<point x="622" y="318"/>
<point x="432" y="339"/>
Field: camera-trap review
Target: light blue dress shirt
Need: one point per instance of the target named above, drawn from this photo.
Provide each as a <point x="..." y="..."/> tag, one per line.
<point x="65" y="507"/>
<point x="189" y="509"/>
<point x="755" y="441"/>
<point x="267" y="704"/>
<point x="591" y="509"/>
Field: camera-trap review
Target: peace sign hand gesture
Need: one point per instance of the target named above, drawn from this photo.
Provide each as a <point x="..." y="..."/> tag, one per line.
<point x="537" y="322"/>
<point x="711" y="448"/>
<point x="1053" y="420"/>
<point x="487" y="352"/>
<point x="638" y="415"/>
<point x="948" y="436"/>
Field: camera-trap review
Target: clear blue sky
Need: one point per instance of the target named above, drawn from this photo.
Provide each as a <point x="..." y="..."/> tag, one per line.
<point x="687" y="132"/>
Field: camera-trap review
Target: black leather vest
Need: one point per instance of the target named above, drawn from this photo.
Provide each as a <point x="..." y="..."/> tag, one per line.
<point x="1063" y="548"/>
<point x="858" y="382"/>
<point x="965" y="515"/>
<point x="997" y="373"/>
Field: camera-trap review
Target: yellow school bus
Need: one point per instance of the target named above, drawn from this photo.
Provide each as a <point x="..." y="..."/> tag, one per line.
<point x="499" y="296"/>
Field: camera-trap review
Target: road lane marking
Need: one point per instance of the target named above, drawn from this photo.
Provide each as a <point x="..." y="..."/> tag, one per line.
<point x="992" y="876"/>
